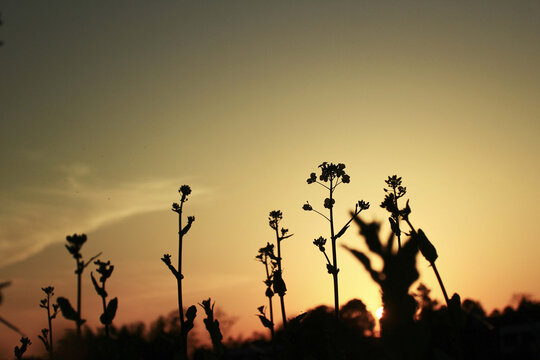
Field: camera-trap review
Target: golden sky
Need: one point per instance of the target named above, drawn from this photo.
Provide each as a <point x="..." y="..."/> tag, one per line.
<point x="107" y="108"/>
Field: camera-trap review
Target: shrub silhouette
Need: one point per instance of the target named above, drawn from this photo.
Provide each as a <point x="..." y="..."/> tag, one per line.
<point x="333" y="175"/>
<point x="186" y="324"/>
<point x="47" y="333"/>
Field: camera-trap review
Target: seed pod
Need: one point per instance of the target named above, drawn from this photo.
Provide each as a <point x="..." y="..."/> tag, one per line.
<point x="425" y="246"/>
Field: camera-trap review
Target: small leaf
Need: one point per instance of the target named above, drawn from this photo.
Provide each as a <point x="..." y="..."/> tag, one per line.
<point x="367" y="264"/>
<point x="341" y="232"/>
<point x="266" y="323"/>
<point x="107" y="317"/>
<point x="394" y="226"/>
<point x="101" y="292"/>
<point x="68" y="312"/>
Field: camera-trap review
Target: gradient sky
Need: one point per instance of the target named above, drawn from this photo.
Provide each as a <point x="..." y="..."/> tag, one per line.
<point x="108" y="107"/>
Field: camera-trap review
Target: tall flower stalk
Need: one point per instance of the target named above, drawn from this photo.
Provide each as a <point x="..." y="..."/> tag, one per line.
<point x="105" y="269"/>
<point x="279" y="284"/>
<point x="47" y="334"/>
<point x="390" y="203"/>
<point x="267" y="257"/>
<point x="74" y="245"/>
<point x="185" y="326"/>
<point x="330" y="178"/>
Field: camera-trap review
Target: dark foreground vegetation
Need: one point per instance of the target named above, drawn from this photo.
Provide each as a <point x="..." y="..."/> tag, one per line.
<point x="413" y="324"/>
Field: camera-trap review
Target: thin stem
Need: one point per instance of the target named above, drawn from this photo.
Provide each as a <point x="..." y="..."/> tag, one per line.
<point x="50" y="326"/>
<point x="396" y="218"/>
<point x="104" y="302"/>
<point x="324" y="216"/>
<point x="183" y="334"/>
<point x="80" y="268"/>
<point x="323" y="185"/>
<point x="440" y="283"/>
<point x="334" y="255"/>
<point x="326" y="256"/>
<point x="281" y="300"/>
<point x="271" y="316"/>
<point x="271" y="307"/>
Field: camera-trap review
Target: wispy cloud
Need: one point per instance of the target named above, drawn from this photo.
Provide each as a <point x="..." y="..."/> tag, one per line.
<point x="76" y="204"/>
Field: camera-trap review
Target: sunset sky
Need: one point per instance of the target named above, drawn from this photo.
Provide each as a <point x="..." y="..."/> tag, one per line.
<point x="106" y="108"/>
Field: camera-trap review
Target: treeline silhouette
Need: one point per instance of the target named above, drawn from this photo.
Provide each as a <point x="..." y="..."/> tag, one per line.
<point x="413" y="325"/>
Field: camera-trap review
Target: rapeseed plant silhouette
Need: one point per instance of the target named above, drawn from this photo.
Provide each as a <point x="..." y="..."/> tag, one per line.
<point x="212" y="325"/>
<point x="279" y="286"/>
<point x="105" y="269"/>
<point x="267" y="257"/>
<point x="74" y="245"/>
<point x="186" y="324"/>
<point x="19" y="351"/>
<point x="330" y="178"/>
<point x="395" y="192"/>
<point x="47" y="333"/>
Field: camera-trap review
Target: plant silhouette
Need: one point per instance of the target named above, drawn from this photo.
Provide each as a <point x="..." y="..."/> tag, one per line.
<point x="279" y="286"/>
<point x="330" y="178"/>
<point x="105" y="269"/>
<point x="186" y="324"/>
<point x="267" y="257"/>
<point x="212" y="325"/>
<point x="47" y="333"/>
<point x="427" y="249"/>
<point x="74" y="245"/>
<point x="19" y="351"/>
<point x="398" y="273"/>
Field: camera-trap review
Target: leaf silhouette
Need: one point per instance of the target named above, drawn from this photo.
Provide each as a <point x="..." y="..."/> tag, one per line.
<point x="107" y="317"/>
<point x="101" y="291"/>
<point x="68" y="312"/>
<point x="266" y="323"/>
